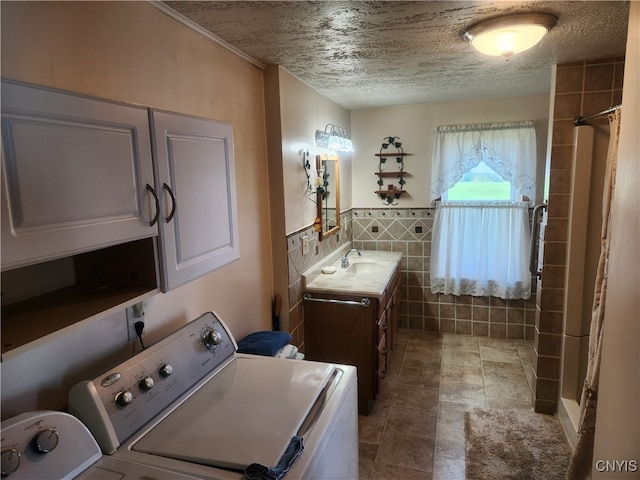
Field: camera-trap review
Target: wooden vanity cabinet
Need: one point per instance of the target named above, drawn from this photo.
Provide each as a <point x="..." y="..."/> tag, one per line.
<point x="339" y="328"/>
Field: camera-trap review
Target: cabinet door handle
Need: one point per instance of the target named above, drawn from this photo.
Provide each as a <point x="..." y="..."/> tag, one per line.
<point x="173" y="202"/>
<point x="154" y="220"/>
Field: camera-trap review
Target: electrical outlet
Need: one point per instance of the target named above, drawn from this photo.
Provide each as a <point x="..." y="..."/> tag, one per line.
<point x="134" y="314"/>
<point x="305" y="244"/>
<point x="131" y="329"/>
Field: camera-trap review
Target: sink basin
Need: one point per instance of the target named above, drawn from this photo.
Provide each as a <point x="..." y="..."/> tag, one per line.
<point x="366" y="267"/>
<point x="368" y="273"/>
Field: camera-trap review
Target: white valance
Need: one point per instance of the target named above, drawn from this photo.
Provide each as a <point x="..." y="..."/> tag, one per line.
<point x="508" y="148"/>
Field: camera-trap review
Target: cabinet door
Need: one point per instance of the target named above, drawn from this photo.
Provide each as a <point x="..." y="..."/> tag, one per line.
<point x="196" y="184"/>
<point x="343" y="333"/>
<point x="75" y="171"/>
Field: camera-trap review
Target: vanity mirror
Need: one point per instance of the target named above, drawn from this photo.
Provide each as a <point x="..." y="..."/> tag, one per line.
<point x="328" y="194"/>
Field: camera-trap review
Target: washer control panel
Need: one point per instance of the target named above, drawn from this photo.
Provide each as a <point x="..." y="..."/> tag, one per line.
<point x="119" y="402"/>
<point x="46" y="444"/>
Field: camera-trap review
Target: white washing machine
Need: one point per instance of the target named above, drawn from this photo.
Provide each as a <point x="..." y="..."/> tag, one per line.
<point x="191" y="405"/>
<point x="48" y="445"/>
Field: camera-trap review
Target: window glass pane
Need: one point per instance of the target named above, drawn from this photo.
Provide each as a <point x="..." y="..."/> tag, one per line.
<point x="480" y="183"/>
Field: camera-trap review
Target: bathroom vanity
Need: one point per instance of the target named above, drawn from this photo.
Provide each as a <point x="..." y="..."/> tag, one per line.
<point x="352" y="315"/>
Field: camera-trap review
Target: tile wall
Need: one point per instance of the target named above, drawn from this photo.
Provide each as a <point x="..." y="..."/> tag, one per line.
<point x="409" y="231"/>
<point x="581" y="89"/>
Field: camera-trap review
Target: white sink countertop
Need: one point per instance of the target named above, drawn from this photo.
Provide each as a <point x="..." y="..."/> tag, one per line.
<point x="367" y="274"/>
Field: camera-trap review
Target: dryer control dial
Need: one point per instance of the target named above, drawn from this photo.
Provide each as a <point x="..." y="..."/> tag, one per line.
<point x="10" y="461"/>
<point x="124" y="398"/>
<point x="165" y="370"/>
<point x="45" y="441"/>
<point x="211" y="338"/>
<point x="146" y="383"/>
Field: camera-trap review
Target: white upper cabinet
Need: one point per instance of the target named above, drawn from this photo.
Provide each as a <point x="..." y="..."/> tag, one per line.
<point x="195" y="175"/>
<point x="75" y="174"/>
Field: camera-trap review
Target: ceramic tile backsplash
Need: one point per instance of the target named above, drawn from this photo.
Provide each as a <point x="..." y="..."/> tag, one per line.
<point x="409" y="231"/>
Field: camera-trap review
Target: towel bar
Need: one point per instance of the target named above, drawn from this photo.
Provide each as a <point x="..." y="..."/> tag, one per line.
<point x="363" y="302"/>
<point x="535" y="232"/>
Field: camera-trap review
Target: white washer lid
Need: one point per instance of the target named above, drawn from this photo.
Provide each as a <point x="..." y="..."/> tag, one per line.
<point x="246" y="414"/>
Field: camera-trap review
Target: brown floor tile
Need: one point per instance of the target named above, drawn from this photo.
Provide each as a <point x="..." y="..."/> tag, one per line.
<point x="452" y="414"/>
<point x="420" y="423"/>
<point x="415" y="430"/>
<point x="366" y="456"/>
<point x="370" y="428"/>
<point x="409" y="451"/>
<point x="460" y="342"/>
<point x="380" y="408"/>
<point x="506" y="380"/>
<point x="388" y="383"/>
<point x="464" y="393"/>
<point x="462" y="373"/>
<point x="419" y="360"/>
<point x="392" y="472"/>
<point x="448" y="469"/>
<point x="451" y="356"/>
<point x="450" y="442"/>
<point x="415" y="398"/>
<point x="419" y="377"/>
<point x="492" y="353"/>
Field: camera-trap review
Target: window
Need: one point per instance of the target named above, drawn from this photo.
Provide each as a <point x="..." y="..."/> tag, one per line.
<point x="480" y="183"/>
<point x="480" y="235"/>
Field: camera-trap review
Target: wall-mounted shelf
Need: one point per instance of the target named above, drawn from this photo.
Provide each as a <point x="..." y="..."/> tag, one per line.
<point x="397" y="154"/>
<point x="393" y="191"/>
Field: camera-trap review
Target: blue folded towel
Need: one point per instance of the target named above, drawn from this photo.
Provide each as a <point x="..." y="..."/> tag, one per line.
<point x="256" y="471"/>
<point x="265" y="343"/>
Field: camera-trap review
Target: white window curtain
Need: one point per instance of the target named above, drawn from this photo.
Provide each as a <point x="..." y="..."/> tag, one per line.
<point x="481" y="249"/>
<point x="508" y="148"/>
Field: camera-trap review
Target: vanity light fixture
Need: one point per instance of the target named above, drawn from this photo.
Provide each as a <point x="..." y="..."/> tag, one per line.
<point x="510" y="34"/>
<point x="335" y="138"/>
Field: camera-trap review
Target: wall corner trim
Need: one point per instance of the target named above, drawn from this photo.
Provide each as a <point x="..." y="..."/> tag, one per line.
<point x="197" y="28"/>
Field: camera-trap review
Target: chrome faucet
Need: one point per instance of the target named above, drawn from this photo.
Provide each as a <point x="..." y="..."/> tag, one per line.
<point x="344" y="262"/>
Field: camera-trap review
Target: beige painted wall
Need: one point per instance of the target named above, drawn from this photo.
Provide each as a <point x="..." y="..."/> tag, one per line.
<point x="303" y="111"/>
<point x="415" y="124"/>
<point x="132" y="52"/>
<point x="618" y="416"/>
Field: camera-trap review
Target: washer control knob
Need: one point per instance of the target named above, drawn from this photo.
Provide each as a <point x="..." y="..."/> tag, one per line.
<point x="10" y="461"/>
<point x="146" y="383"/>
<point x="45" y="441"/>
<point x="124" y="398"/>
<point x="165" y="370"/>
<point x="211" y="338"/>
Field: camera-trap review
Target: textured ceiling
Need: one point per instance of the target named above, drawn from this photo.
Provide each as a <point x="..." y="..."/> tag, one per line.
<point x="377" y="53"/>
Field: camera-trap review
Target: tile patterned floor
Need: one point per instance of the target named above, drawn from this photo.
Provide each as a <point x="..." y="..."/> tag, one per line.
<point x="415" y="430"/>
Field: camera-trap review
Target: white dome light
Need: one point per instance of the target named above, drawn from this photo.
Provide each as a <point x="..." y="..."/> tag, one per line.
<point x="511" y="34"/>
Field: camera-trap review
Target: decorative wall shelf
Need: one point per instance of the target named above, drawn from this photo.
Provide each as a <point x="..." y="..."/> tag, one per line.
<point x="393" y="191"/>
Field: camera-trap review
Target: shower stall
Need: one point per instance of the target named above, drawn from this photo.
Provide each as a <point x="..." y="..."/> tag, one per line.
<point x="590" y="149"/>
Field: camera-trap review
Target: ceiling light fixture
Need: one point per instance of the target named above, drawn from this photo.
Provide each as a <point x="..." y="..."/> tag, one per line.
<point x="335" y="138"/>
<point x="510" y="34"/>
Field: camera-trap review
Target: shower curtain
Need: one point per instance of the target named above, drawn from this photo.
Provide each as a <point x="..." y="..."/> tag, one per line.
<point x="580" y="466"/>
